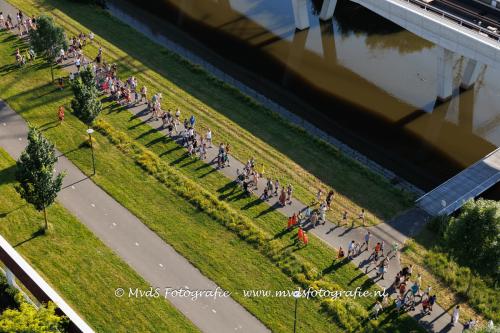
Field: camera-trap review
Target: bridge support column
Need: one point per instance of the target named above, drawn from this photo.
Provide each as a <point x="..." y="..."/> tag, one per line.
<point x="327" y="9"/>
<point x="471" y="73"/>
<point x="444" y="74"/>
<point x="300" y="14"/>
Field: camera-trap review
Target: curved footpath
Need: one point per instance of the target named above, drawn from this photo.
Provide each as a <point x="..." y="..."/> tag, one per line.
<point x="399" y="229"/>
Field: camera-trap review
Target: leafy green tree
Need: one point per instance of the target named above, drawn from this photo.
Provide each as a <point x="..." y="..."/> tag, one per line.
<point x="48" y="39"/>
<point x="473" y="237"/>
<point x="37" y="185"/>
<point x="88" y="78"/>
<point x="30" y="319"/>
<point x="86" y="104"/>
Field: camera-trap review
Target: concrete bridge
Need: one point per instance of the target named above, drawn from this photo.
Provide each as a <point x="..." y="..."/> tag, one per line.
<point x="452" y="34"/>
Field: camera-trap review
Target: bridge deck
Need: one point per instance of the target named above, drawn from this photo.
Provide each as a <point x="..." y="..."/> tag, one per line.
<point x="471" y="182"/>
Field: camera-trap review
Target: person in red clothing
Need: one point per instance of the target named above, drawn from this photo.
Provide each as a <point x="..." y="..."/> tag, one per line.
<point x="305" y="239"/>
<point x="290" y="222"/>
<point x="300" y="234"/>
<point x="60" y="114"/>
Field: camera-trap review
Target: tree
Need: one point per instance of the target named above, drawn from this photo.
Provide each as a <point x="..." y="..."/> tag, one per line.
<point x="30" y="319"/>
<point x="47" y="39"/>
<point x="473" y="237"/>
<point x="86" y="103"/>
<point x="37" y="185"/>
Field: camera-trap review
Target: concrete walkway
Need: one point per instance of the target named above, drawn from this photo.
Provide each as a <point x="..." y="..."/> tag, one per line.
<point x="156" y="261"/>
<point x="407" y="224"/>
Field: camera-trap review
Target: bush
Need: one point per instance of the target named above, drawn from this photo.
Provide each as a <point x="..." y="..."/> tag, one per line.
<point x="346" y="313"/>
<point x="473" y="237"/>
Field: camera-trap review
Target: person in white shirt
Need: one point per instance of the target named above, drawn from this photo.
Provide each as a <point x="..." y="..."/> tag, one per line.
<point x="209" y="138"/>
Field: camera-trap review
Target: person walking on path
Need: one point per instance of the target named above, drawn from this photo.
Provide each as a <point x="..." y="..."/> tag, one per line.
<point x="344" y="218"/>
<point x="208" y="136"/>
<point x="361" y="216"/>
<point x="455" y="316"/>
<point x="192" y="120"/>
<point x="289" y="190"/>
<point x="282" y="198"/>
<point x="329" y="198"/>
<point x="350" y="250"/>
<point x="367" y="240"/>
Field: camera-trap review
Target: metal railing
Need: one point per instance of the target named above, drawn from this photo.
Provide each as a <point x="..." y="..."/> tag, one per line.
<point x="460" y="21"/>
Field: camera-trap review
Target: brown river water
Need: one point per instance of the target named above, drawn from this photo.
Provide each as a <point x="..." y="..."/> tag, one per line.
<point x="358" y="76"/>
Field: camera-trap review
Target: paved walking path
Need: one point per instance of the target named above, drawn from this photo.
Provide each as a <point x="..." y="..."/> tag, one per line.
<point x="156" y="261"/>
<point x="407" y="224"/>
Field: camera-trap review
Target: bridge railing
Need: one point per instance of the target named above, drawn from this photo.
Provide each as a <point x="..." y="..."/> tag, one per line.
<point x="462" y="22"/>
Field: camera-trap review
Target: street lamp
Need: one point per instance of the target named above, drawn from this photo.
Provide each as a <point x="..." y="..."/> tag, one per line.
<point x="89" y="132"/>
<point x="296" y="295"/>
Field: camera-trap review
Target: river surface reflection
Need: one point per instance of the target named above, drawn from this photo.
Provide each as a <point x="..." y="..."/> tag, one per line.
<point x="370" y="82"/>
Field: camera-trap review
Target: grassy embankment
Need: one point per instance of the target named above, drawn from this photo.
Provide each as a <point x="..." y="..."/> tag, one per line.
<point x="80" y="267"/>
<point x="286" y="152"/>
<point x="237" y="120"/>
<point x="174" y="219"/>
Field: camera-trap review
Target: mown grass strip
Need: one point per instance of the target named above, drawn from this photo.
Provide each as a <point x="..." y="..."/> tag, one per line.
<point x="349" y="314"/>
<point x="80" y="267"/>
<point x="286" y="151"/>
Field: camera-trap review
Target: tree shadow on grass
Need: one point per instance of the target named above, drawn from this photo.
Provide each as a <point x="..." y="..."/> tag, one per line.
<point x="7" y="175"/>
<point x="38" y="233"/>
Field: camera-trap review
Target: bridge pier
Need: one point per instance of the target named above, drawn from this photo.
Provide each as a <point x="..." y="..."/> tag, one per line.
<point x="327" y="9"/>
<point x="471" y="73"/>
<point x="300" y="14"/>
<point x="444" y="74"/>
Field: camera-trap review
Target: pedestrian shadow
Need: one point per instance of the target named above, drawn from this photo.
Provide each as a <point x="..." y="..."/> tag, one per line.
<point x="253" y="203"/>
<point x="232" y="185"/>
<point x="282" y="233"/>
<point x="49" y="125"/>
<point x="162" y="139"/>
<point x="171" y="150"/>
<point x="212" y="170"/>
<point x="180" y="159"/>
<point x="336" y="264"/>
<point x="268" y="210"/>
<point x="148" y="132"/>
<point x="346" y="231"/>
<point x="357" y="277"/>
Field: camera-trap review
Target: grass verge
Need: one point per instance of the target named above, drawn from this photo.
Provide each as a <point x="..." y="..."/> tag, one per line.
<point x="217" y="252"/>
<point x="80" y="267"/>
<point x="286" y="151"/>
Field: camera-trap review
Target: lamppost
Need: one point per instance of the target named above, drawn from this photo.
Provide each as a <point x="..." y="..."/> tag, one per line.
<point x="89" y="132"/>
<point x="296" y="295"/>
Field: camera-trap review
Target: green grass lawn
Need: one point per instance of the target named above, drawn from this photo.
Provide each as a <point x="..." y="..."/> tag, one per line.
<point x="80" y="267"/>
<point x="287" y="152"/>
<point x="217" y="252"/>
